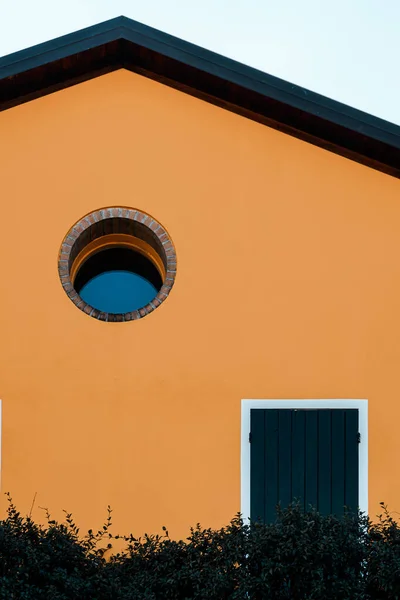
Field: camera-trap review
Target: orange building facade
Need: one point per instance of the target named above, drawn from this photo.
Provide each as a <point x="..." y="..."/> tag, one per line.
<point x="287" y="287"/>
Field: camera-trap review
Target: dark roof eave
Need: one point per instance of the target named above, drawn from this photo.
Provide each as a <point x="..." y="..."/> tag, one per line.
<point x="122" y="42"/>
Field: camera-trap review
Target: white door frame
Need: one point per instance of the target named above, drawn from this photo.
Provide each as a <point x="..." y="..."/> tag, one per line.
<point x="360" y="405"/>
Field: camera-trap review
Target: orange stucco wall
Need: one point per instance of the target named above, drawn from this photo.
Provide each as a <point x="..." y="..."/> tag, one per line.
<point x="288" y="286"/>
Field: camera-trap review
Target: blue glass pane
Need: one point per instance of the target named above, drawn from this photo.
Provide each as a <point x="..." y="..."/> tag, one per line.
<point x="118" y="291"/>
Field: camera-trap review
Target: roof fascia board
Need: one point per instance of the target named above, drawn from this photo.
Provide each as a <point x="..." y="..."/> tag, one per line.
<point x="247" y="91"/>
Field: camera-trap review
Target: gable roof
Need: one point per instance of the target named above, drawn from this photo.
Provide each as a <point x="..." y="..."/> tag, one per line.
<point x="124" y="43"/>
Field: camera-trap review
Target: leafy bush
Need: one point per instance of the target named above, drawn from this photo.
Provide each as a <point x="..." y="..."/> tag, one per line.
<point x="299" y="557"/>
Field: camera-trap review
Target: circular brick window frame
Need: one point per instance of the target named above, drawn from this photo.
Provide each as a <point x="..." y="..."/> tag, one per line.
<point x="127" y="223"/>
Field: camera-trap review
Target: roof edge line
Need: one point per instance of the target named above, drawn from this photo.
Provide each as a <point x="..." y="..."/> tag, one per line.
<point x="124" y="43"/>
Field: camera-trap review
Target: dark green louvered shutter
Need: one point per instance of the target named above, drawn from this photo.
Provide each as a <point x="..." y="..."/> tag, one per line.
<point x="307" y="455"/>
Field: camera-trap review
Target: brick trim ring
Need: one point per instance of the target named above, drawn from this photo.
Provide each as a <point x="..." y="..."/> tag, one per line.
<point x="117" y="220"/>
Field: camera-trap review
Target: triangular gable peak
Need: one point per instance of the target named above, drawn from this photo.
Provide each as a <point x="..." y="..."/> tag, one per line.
<point x="124" y="43"/>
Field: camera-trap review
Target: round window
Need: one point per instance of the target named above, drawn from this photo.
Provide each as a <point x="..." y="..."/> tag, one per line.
<point x="117" y="264"/>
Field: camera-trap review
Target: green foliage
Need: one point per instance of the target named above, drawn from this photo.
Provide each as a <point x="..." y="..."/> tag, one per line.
<point x="299" y="557"/>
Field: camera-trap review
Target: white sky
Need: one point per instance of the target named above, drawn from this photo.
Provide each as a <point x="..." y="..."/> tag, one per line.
<point x="347" y="50"/>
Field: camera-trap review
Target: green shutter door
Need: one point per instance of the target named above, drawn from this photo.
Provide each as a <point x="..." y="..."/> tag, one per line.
<point x="306" y="455"/>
